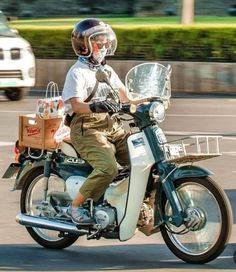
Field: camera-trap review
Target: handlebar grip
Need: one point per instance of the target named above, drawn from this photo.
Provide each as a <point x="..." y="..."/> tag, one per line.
<point x="128" y="108"/>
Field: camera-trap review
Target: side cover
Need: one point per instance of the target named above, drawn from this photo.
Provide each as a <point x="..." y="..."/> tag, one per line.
<point x="141" y="160"/>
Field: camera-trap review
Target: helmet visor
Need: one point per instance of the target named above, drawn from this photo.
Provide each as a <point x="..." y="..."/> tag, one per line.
<point x="102" y="39"/>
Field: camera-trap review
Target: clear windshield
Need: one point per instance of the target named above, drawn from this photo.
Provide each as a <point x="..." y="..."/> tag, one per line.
<point x="149" y="79"/>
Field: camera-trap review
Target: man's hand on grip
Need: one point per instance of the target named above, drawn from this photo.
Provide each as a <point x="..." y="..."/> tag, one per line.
<point x="104" y="106"/>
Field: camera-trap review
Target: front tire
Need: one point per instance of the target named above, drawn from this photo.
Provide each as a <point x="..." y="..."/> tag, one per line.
<point x="211" y="207"/>
<point x="31" y="198"/>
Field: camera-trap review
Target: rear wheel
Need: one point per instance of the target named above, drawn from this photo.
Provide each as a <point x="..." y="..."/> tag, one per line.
<point x="32" y="197"/>
<point x="204" y="236"/>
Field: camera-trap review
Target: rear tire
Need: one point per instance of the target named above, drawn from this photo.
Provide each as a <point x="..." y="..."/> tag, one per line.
<point x="210" y="239"/>
<point x="29" y="201"/>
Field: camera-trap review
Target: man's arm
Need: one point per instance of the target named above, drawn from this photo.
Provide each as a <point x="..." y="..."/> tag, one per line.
<point x="125" y="99"/>
<point x="78" y="106"/>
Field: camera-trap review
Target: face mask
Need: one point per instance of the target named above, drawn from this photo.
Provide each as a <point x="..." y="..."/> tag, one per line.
<point x="100" y="55"/>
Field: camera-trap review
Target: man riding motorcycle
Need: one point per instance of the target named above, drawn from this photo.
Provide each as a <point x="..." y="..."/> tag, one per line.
<point x="93" y="127"/>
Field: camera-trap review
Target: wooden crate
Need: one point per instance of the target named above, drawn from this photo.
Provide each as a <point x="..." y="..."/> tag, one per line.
<point x="35" y="132"/>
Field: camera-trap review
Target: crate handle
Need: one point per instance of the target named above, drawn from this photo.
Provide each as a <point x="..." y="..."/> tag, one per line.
<point x="32" y="122"/>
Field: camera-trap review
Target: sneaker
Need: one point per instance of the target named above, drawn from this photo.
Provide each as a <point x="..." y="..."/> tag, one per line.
<point x="80" y="216"/>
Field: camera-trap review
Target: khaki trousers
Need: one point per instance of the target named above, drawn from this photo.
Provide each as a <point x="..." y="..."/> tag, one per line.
<point x="92" y="135"/>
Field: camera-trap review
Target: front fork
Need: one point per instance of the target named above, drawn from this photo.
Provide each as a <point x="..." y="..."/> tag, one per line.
<point x="47" y="173"/>
<point x="165" y="173"/>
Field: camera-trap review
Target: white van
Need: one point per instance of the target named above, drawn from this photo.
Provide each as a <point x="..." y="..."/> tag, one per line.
<point x="17" y="62"/>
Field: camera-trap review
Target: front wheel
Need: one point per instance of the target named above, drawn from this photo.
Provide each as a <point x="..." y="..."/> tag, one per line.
<point x="208" y="221"/>
<point x="32" y="197"/>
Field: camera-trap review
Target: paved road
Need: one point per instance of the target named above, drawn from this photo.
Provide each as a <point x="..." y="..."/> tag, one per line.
<point x="18" y="252"/>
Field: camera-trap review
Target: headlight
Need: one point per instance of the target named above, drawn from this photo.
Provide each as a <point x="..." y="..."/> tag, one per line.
<point x="29" y="50"/>
<point x="31" y="72"/>
<point x="157" y="112"/>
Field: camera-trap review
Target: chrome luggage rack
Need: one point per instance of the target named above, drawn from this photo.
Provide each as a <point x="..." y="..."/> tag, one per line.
<point x="192" y="149"/>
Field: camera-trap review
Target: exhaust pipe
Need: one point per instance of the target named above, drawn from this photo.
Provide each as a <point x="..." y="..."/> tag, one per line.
<point x="43" y="223"/>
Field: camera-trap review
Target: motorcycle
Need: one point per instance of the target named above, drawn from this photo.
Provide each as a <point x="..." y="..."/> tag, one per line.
<point x="161" y="189"/>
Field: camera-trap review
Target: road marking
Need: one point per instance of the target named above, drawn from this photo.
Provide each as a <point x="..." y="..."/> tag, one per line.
<point x="12" y="111"/>
<point x="230" y="138"/>
<point x="226" y="136"/>
<point x="225" y="257"/>
<point x="232" y="153"/>
<point x="7" y="143"/>
<point x="202" y="115"/>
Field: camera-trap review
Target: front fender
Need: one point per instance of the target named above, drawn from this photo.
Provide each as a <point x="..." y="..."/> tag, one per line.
<point x="190" y="171"/>
<point x="26" y="168"/>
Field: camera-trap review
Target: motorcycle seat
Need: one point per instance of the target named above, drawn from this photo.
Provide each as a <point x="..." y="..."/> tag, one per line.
<point x="68" y="149"/>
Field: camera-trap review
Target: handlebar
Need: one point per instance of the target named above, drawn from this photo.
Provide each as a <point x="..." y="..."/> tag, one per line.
<point x="128" y="108"/>
<point x="131" y="108"/>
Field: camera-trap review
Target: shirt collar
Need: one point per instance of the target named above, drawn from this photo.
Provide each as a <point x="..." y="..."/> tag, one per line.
<point x="90" y="65"/>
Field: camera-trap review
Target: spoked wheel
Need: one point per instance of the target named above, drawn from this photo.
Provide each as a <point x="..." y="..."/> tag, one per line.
<point x="32" y="202"/>
<point x="209" y="221"/>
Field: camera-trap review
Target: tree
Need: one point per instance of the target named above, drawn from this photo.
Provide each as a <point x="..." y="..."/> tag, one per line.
<point x="130" y="10"/>
<point x="187" y="16"/>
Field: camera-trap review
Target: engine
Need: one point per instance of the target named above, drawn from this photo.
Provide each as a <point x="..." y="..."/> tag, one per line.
<point x="105" y="216"/>
<point x="146" y="215"/>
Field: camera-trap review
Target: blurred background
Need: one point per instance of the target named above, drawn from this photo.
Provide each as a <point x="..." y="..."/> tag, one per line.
<point x="197" y="37"/>
<point x="44" y="8"/>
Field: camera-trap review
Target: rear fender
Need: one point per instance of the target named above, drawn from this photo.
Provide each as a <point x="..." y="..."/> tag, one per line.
<point x="26" y="169"/>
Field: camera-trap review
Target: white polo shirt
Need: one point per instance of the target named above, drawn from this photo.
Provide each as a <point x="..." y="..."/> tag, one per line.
<point x="80" y="81"/>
